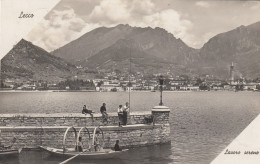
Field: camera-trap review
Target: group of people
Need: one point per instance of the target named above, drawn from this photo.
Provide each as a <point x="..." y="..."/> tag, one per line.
<point x="122" y="113"/>
<point x="97" y="146"/>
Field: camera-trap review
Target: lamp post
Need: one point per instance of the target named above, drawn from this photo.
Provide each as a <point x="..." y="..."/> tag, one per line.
<point x="161" y="80"/>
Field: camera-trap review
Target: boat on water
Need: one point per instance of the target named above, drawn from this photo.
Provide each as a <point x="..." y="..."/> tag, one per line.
<point x="94" y="149"/>
<point x="86" y="154"/>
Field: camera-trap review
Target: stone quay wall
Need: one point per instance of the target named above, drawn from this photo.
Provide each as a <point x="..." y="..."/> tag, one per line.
<point x="69" y="119"/>
<point x="129" y="136"/>
<point x="34" y="130"/>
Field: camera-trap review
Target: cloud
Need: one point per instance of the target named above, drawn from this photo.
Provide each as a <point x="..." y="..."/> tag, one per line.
<point x="171" y="21"/>
<point x="142" y="7"/>
<point x="255" y="6"/>
<point x="60" y="28"/>
<point x="120" y="12"/>
<point x="203" y="4"/>
<point x="63" y="26"/>
<point x="198" y="43"/>
<point x="141" y="14"/>
<point x="110" y="12"/>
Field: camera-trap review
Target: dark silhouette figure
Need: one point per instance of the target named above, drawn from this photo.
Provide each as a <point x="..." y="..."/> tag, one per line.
<point x="86" y="111"/>
<point x="120" y="114"/>
<point x="117" y="147"/>
<point x="80" y="145"/>
<point x="103" y="111"/>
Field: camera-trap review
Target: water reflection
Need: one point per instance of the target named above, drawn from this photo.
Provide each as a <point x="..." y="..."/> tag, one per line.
<point x="9" y="160"/>
<point x="156" y="154"/>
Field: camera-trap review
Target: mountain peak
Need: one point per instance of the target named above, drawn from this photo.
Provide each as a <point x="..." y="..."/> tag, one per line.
<point x="26" y="61"/>
<point x="160" y="29"/>
<point x="122" y="25"/>
<point x="23" y="41"/>
<point x="240" y="45"/>
<point x="242" y="26"/>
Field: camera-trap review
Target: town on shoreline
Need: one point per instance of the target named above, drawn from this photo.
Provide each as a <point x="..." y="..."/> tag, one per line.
<point x="114" y="83"/>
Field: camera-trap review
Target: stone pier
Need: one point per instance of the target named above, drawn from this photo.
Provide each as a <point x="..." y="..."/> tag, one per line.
<point x="34" y="130"/>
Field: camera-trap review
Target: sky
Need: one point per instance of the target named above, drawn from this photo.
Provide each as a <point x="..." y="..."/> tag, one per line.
<point x="13" y="28"/>
<point x="195" y="22"/>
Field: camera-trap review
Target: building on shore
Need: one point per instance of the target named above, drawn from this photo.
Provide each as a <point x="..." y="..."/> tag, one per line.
<point x="231" y="74"/>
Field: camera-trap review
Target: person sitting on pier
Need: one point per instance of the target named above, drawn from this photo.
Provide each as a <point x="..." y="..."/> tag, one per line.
<point x="117" y="147"/>
<point x="103" y="111"/>
<point x="120" y="114"/>
<point x="86" y="111"/>
<point x="125" y="111"/>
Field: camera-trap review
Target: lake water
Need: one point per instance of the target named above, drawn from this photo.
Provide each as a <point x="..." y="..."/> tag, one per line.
<point x="202" y="123"/>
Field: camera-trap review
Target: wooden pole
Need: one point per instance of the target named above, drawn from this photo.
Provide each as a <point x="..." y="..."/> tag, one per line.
<point x="129" y="77"/>
<point x="71" y="158"/>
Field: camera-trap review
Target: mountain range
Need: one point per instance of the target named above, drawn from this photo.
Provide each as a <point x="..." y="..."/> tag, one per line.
<point x="150" y="50"/>
<point x="156" y="51"/>
<point x="147" y="50"/>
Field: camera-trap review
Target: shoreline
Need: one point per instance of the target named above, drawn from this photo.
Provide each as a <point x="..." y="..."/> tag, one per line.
<point x="188" y="91"/>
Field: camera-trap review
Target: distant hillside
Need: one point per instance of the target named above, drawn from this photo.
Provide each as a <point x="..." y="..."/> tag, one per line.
<point x="29" y="62"/>
<point x="241" y="46"/>
<point x="110" y="48"/>
<point x="118" y="57"/>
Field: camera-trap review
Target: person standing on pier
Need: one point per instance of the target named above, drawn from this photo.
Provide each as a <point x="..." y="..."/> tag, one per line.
<point x="120" y="114"/>
<point x="103" y="111"/>
<point x="125" y="111"/>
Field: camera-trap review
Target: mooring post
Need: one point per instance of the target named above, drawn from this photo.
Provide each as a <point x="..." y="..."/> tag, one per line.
<point x="161" y="114"/>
